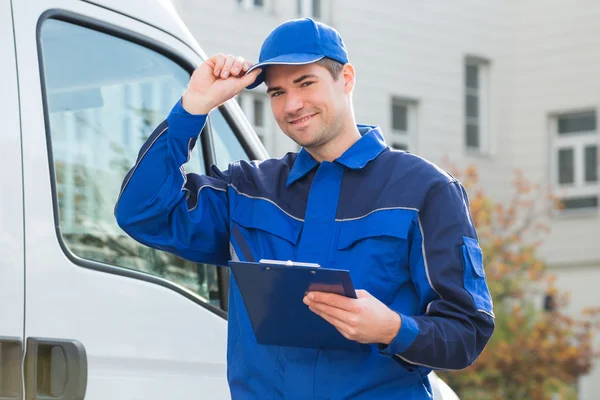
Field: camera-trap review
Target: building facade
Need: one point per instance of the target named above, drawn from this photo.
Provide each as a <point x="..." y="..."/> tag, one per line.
<point x="499" y="84"/>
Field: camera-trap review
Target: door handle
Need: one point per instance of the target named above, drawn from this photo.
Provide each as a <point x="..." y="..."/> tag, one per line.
<point x="55" y="369"/>
<point x="10" y="368"/>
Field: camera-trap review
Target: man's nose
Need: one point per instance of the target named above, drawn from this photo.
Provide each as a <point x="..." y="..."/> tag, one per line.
<point x="293" y="104"/>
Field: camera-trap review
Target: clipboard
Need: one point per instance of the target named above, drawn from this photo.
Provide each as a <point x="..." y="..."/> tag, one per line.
<point x="272" y="292"/>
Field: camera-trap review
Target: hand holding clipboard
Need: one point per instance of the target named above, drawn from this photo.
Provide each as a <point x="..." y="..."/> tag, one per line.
<point x="273" y="291"/>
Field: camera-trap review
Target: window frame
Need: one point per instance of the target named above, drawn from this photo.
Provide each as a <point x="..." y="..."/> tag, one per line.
<point x="205" y="140"/>
<point x="408" y="137"/>
<point x="246" y="101"/>
<point x="249" y="5"/>
<point x="577" y="142"/>
<point x="482" y="92"/>
<point x="305" y="8"/>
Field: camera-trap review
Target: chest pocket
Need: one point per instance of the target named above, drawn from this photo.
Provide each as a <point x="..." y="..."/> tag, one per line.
<point x="269" y="231"/>
<point x="375" y="249"/>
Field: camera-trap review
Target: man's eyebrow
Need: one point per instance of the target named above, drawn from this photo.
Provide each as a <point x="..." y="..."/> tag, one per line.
<point x="303" y="77"/>
<point x="273" y="89"/>
<point x="297" y="80"/>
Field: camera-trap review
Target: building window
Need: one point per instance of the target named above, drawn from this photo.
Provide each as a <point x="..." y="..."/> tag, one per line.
<point x="256" y="108"/>
<point x="310" y="8"/>
<point x="252" y="4"/>
<point x="575" y="160"/>
<point x="404" y="124"/>
<point x="477" y="132"/>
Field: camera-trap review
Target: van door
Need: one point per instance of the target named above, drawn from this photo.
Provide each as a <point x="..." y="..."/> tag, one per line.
<point x="12" y="301"/>
<point x="106" y="316"/>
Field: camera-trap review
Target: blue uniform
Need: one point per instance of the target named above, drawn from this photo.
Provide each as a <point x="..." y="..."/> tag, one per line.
<point x="400" y="225"/>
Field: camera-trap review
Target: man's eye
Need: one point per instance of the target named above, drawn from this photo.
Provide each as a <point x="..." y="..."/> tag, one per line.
<point x="306" y="84"/>
<point x="275" y="94"/>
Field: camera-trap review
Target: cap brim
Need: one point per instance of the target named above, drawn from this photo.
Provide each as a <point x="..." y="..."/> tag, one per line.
<point x="286" y="59"/>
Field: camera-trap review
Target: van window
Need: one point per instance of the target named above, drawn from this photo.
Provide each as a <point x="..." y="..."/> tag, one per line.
<point x="227" y="147"/>
<point x="105" y="96"/>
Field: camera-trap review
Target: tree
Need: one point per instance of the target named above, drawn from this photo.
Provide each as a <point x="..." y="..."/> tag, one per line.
<point x="535" y="352"/>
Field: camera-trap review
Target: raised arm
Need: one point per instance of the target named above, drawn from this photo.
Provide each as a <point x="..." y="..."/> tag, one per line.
<point x="162" y="206"/>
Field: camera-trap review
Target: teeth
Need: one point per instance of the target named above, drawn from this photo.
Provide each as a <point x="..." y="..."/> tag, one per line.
<point x="303" y="119"/>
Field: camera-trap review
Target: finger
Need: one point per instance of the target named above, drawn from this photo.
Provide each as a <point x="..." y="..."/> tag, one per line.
<point x="360" y="293"/>
<point x="332" y="299"/>
<point x="227" y="66"/>
<point x="246" y="66"/>
<point x="340" y="325"/>
<point x="249" y="79"/>
<point x="237" y="66"/>
<point x="219" y="60"/>
<point x="346" y="317"/>
<point x="211" y="63"/>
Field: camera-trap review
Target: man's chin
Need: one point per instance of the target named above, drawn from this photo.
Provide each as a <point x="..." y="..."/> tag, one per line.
<point x="308" y="138"/>
<point x="306" y="141"/>
<point x="312" y="137"/>
<point x="306" y="145"/>
<point x="303" y="140"/>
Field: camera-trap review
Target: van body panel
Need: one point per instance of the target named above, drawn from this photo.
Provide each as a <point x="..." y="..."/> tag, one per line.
<point x="158" y="13"/>
<point x="11" y="189"/>
<point x="142" y="340"/>
<point x="12" y="255"/>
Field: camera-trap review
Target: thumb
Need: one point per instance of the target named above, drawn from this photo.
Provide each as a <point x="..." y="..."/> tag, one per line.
<point x="360" y="293"/>
<point x="249" y="79"/>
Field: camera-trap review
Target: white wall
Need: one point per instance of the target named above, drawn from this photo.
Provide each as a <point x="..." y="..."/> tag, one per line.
<point x="556" y="64"/>
<point x="556" y="60"/>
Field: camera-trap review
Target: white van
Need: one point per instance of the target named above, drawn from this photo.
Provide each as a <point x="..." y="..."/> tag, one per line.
<point x="87" y="311"/>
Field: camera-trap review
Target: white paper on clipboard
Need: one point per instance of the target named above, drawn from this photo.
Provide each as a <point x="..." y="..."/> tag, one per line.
<point x="290" y="263"/>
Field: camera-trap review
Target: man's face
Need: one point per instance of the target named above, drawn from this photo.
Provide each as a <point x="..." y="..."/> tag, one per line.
<point x="309" y="105"/>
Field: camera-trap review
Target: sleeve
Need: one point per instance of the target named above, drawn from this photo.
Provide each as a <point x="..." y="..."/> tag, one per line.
<point x="163" y="207"/>
<point x="447" y="271"/>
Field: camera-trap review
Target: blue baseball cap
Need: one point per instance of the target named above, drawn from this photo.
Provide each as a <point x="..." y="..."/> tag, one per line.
<point x="298" y="42"/>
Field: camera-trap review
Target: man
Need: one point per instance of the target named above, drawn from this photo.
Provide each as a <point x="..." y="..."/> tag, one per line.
<point x="346" y="200"/>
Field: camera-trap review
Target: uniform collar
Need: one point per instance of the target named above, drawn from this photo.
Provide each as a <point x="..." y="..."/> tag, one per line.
<point x="367" y="148"/>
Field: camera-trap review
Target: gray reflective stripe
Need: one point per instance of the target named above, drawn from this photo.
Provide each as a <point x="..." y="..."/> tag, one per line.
<point x="426" y="265"/>
<point x="182" y="169"/>
<point x="184" y="175"/>
<point x="428" y="305"/>
<point x="264" y="198"/>
<point x="255" y="66"/>
<point x="245" y="195"/>
<point x="189" y="150"/>
<point x="416" y="363"/>
<point x="238" y="237"/>
<point x="139" y="161"/>
<point x="479" y="309"/>
<point x="232" y="253"/>
<point x="198" y="194"/>
<point x="425" y="259"/>
<point x="379" y="209"/>
<point x="486" y="312"/>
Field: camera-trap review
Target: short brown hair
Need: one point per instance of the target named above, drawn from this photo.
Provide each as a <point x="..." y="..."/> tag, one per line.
<point x="334" y="67"/>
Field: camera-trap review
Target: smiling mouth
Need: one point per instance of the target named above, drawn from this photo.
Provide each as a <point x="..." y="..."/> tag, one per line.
<point x="301" y="120"/>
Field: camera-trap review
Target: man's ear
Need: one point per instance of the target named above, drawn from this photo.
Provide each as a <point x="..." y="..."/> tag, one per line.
<point x="349" y="77"/>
